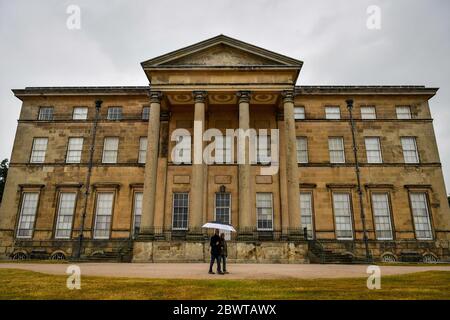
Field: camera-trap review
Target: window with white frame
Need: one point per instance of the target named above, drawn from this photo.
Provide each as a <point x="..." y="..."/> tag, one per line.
<point x="137" y="214"/>
<point x="299" y="113"/>
<point x="373" y="150"/>
<point x="223" y="149"/>
<point x="403" y="112"/>
<point x="306" y="213"/>
<point x="145" y="113"/>
<point x="27" y="214"/>
<point x="342" y="216"/>
<point x="142" y="149"/>
<point x="39" y="149"/>
<point x="103" y="215"/>
<point x="115" y="113"/>
<point x="336" y="148"/>
<point x="182" y="149"/>
<point x="332" y="112"/>
<point x="263" y="149"/>
<point x="74" y="149"/>
<point x="110" y="149"/>
<point x="382" y="216"/>
<point x="80" y="113"/>
<point x="421" y="216"/>
<point x="180" y="211"/>
<point x="45" y="113"/>
<point x="409" y="147"/>
<point x="264" y="211"/>
<point x="302" y="150"/>
<point x="223" y="210"/>
<point x="66" y="210"/>
<point x="368" y="113"/>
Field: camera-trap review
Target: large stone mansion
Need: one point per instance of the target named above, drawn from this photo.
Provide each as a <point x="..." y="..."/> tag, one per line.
<point x="94" y="172"/>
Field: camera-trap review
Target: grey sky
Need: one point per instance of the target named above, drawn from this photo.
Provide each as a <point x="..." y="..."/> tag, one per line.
<point x="331" y="38"/>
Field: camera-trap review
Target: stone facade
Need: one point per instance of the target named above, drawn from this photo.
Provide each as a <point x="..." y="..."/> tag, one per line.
<point x="225" y="84"/>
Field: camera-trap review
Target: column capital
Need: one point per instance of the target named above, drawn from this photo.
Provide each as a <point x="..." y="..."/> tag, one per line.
<point x="288" y="96"/>
<point x="244" y="96"/>
<point x="199" y="96"/>
<point x="155" y="96"/>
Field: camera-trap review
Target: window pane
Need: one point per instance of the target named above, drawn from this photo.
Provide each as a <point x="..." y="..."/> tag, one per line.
<point x="110" y="148"/>
<point x="114" y="113"/>
<point x="332" y="113"/>
<point x="39" y="149"/>
<point x="45" y="113"/>
<point x="336" y="148"/>
<point x="306" y="212"/>
<point x="65" y="215"/>
<point x="27" y="214"/>
<point x="343" y="216"/>
<point x="74" y="149"/>
<point x="373" y="150"/>
<point x="409" y="147"/>
<point x="180" y="211"/>
<point x="103" y="215"/>
<point x="382" y="216"/>
<point x="264" y="212"/>
<point x="299" y="113"/>
<point x="302" y="150"/>
<point x="142" y="149"/>
<point x="145" y="113"/>
<point x="403" y="112"/>
<point x="80" y="113"/>
<point x="137" y="212"/>
<point x="368" y="113"/>
<point x="421" y="216"/>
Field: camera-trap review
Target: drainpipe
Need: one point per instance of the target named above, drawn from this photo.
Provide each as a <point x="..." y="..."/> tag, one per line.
<point x="98" y="105"/>
<point x="358" y="178"/>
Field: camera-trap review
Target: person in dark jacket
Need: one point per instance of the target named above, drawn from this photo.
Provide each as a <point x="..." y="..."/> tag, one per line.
<point x="215" y="252"/>
<point x="223" y="252"/>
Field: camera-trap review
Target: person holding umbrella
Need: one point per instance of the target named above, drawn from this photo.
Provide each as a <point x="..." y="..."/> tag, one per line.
<point x="215" y="252"/>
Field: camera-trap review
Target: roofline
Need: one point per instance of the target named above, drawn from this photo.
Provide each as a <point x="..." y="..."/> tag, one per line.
<point x="75" y="91"/>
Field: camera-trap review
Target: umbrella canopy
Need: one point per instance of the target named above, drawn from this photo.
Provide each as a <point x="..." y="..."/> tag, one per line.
<point x="218" y="225"/>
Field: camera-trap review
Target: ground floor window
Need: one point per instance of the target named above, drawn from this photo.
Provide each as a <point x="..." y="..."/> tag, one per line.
<point x="306" y="213"/>
<point x="137" y="214"/>
<point x="180" y="211"/>
<point x="421" y="216"/>
<point x="103" y="215"/>
<point x="264" y="211"/>
<point x="66" y="210"/>
<point x="382" y="216"/>
<point x="27" y="214"/>
<point x="343" y="216"/>
<point x="223" y="210"/>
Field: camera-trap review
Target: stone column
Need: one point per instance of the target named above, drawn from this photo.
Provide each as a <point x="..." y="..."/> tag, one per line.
<point x="282" y="173"/>
<point x="244" y="169"/>
<point x="151" y="166"/>
<point x="291" y="163"/>
<point x="197" y="185"/>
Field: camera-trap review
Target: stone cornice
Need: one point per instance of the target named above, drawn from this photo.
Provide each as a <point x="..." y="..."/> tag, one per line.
<point x="361" y="90"/>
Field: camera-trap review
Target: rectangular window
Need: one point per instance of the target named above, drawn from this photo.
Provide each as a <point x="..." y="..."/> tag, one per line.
<point x="409" y="147"/>
<point x="180" y="211"/>
<point x="421" y="216"/>
<point x="137" y="214"/>
<point x="403" y="112"/>
<point x="74" y="149"/>
<point x="115" y="113"/>
<point x="110" y="149"/>
<point x="103" y="215"/>
<point x="145" y="113"/>
<point x="182" y="152"/>
<point x="264" y="211"/>
<point x="368" y="113"/>
<point x="306" y="213"/>
<point x="39" y="149"/>
<point x="66" y="210"/>
<point x="299" y="113"/>
<point x="332" y="112"/>
<point x="142" y="149"/>
<point x="343" y="216"/>
<point x="27" y="214"/>
<point x="382" y="216"/>
<point x="45" y="113"/>
<point x="302" y="150"/>
<point x="373" y="150"/>
<point x="223" y="149"/>
<point x="223" y="210"/>
<point x="336" y="148"/>
<point x="80" y="113"/>
<point x="263" y="149"/>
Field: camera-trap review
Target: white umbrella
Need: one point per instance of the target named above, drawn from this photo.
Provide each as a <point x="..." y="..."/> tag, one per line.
<point x="218" y="225"/>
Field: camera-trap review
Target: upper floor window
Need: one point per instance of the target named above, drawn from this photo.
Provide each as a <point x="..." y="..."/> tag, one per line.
<point x="74" y="149"/>
<point x="114" y="113"/>
<point x="409" y="147"/>
<point x="421" y="215"/>
<point x="142" y="149"/>
<point x="403" y="112"/>
<point x="27" y="214"/>
<point x="368" y="113"/>
<point x="39" y="149"/>
<point x="45" y="113"/>
<point x="263" y="149"/>
<point x="373" y="150"/>
<point x="110" y="149"/>
<point x="336" y="148"/>
<point x="302" y="150"/>
<point x="66" y="210"/>
<point x="182" y="150"/>
<point x="264" y="211"/>
<point x="222" y="149"/>
<point x="332" y="112"/>
<point x="299" y="113"/>
<point x="343" y="216"/>
<point x="145" y="113"/>
<point x="80" y="113"/>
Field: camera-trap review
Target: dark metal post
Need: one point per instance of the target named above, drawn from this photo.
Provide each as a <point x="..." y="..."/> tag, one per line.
<point x="358" y="178"/>
<point x="98" y="105"/>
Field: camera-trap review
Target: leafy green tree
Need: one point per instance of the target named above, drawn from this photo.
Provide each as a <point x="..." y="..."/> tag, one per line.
<point x="3" y="174"/>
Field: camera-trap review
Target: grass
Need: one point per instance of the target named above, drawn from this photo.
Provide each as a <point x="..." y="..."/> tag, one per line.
<point x="20" y="284"/>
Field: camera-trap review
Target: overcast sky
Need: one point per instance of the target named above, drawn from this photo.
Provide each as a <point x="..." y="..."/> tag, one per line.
<point x="331" y="37"/>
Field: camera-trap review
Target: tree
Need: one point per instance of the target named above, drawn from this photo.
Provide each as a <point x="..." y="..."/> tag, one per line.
<point x="3" y="174"/>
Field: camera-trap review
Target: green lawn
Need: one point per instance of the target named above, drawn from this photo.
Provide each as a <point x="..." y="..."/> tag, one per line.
<point x="19" y="284"/>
